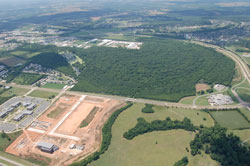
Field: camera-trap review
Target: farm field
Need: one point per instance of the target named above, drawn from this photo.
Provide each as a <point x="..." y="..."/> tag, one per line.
<point x="43" y="94"/>
<point x="246" y="112"/>
<point x="25" y="54"/>
<point x="230" y="119"/>
<point x="53" y="86"/>
<point x="27" y="78"/>
<point x="151" y="148"/>
<point x="12" y="61"/>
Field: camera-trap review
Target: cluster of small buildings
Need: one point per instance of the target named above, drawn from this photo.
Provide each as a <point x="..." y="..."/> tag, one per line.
<point x="36" y="68"/>
<point x="3" y="72"/>
<point x="78" y="147"/>
<point x="70" y="57"/>
<point x="22" y="113"/>
<point x="219" y="99"/>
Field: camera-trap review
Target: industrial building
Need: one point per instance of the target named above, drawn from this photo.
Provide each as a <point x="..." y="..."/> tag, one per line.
<point x="18" y="117"/>
<point x="3" y="113"/>
<point x="31" y="107"/>
<point x="17" y="104"/>
<point x="47" y="147"/>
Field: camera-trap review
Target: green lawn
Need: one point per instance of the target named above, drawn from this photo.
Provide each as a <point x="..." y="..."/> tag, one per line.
<point x="53" y="86"/>
<point x="187" y="100"/>
<point x="230" y="119"/>
<point x="5" y="141"/>
<point x="157" y="148"/>
<point x="43" y="94"/>
<point x="244" y="94"/>
<point x="27" y="78"/>
<point x="202" y="101"/>
<point x="14" y="91"/>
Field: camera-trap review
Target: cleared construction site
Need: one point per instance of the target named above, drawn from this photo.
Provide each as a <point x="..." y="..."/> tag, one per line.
<point x="69" y="129"/>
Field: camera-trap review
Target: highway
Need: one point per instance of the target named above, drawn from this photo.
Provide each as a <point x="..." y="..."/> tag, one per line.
<point x="122" y="98"/>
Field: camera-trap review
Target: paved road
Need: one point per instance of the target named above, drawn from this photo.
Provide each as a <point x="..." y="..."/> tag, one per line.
<point x="121" y="98"/>
<point x="243" y="66"/>
<point x="11" y="161"/>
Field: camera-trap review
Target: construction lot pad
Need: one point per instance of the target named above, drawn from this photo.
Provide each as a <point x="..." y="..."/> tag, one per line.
<point x="64" y="130"/>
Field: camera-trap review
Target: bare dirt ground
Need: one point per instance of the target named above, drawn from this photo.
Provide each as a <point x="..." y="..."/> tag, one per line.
<point x="200" y="87"/>
<point x="64" y="130"/>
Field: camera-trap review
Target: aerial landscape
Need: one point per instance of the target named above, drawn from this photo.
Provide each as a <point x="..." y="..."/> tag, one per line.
<point x="125" y="82"/>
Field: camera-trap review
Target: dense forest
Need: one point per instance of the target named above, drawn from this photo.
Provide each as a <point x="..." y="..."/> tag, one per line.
<point x="222" y="147"/>
<point x="53" y="61"/>
<point x="161" y="69"/>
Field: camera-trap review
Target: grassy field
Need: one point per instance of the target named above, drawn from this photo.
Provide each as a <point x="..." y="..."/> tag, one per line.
<point x="202" y="101"/>
<point x="90" y="117"/>
<point x="27" y="78"/>
<point x="16" y="159"/>
<point x="43" y="94"/>
<point x="6" y="163"/>
<point x="55" y="113"/>
<point x="230" y="119"/>
<point x="53" y="86"/>
<point x="156" y="148"/>
<point x="14" y="91"/>
<point x="8" y="139"/>
<point x="243" y="134"/>
<point x="246" y="112"/>
<point x="244" y="94"/>
<point x="187" y="100"/>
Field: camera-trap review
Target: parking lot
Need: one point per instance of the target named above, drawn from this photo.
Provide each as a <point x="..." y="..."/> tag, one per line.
<point x="19" y="112"/>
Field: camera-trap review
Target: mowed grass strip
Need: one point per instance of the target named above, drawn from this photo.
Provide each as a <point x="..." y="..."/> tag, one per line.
<point x="230" y="119"/>
<point x="53" y="86"/>
<point x="43" y="94"/>
<point x="159" y="148"/>
<point x="16" y="159"/>
<point x="89" y="118"/>
<point x="56" y="112"/>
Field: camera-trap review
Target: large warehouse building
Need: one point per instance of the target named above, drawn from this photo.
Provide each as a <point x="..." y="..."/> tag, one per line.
<point x="47" y="147"/>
